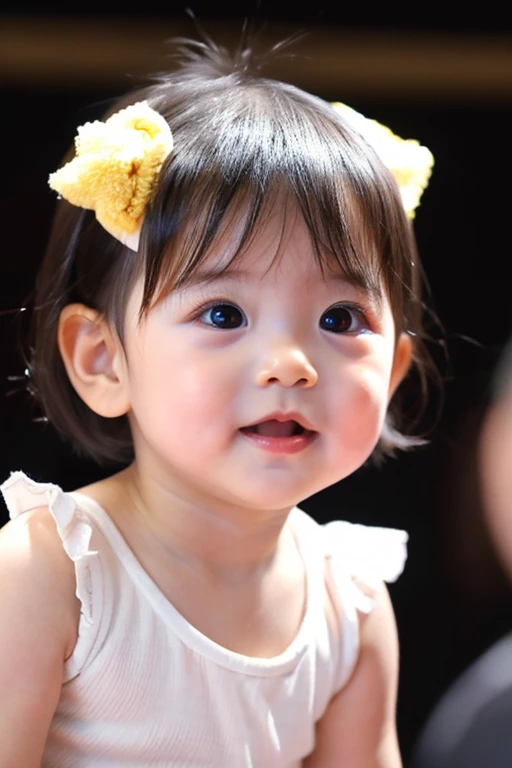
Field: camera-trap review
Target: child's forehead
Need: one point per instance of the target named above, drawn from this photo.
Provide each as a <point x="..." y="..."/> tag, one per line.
<point x="274" y="252"/>
<point x="282" y="232"/>
<point x="296" y="268"/>
<point x="273" y="235"/>
<point x="280" y="245"/>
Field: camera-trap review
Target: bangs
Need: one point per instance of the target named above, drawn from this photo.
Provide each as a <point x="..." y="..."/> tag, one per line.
<point x="281" y="148"/>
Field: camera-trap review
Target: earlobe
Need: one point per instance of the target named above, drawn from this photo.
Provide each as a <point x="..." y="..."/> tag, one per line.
<point x="94" y="360"/>
<point x="401" y="362"/>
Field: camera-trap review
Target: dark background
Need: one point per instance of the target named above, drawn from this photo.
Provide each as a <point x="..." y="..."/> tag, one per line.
<point x="446" y="81"/>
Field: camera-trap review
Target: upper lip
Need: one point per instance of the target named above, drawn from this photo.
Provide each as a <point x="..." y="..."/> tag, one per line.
<point x="286" y="416"/>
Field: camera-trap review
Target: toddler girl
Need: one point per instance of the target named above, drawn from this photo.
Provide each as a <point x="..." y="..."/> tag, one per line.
<point x="229" y="300"/>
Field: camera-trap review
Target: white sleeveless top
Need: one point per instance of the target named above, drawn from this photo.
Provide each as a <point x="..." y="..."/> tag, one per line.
<point x="143" y="687"/>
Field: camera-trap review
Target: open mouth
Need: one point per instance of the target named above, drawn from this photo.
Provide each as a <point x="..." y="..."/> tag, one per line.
<point x="274" y="428"/>
<point x="281" y="437"/>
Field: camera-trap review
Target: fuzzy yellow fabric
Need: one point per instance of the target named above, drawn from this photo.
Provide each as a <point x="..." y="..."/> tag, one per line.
<point x="410" y="163"/>
<point x="115" y="165"/>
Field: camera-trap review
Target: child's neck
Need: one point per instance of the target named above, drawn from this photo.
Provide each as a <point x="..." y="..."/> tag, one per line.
<point x="218" y="540"/>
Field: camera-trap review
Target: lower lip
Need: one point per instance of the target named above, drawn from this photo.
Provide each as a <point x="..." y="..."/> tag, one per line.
<point x="294" y="444"/>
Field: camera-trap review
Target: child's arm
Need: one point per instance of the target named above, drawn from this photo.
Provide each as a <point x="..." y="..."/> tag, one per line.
<point x="38" y="624"/>
<point x="358" y="729"/>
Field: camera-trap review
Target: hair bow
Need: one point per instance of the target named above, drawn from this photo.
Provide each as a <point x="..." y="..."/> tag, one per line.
<point x="409" y="162"/>
<point x="114" y="168"/>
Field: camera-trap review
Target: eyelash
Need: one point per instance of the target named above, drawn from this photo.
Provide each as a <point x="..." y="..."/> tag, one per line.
<point x="364" y="317"/>
<point x="203" y="308"/>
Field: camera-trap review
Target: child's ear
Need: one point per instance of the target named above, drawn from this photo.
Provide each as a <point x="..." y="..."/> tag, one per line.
<point x="94" y="360"/>
<point x="401" y="362"/>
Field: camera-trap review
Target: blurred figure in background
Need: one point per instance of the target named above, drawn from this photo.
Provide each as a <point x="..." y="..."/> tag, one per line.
<point x="471" y="725"/>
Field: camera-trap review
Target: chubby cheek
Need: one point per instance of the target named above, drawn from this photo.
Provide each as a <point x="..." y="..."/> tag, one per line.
<point x="359" y="410"/>
<point x="184" y="405"/>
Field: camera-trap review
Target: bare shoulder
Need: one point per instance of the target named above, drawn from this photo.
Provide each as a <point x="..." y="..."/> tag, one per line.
<point x="358" y="729"/>
<point x="378" y="628"/>
<point x="38" y="631"/>
<point x="36" y="574"/>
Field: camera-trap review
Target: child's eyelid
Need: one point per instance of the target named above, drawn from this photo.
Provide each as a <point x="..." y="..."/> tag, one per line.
<point x="203" y="306"/>
<point x="198" y="314"/>
<point x="364" y="309"/>
<point x="367" y="314"/>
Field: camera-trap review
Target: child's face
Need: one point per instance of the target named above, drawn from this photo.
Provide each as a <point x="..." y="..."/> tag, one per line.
<point x="270" y="340"/>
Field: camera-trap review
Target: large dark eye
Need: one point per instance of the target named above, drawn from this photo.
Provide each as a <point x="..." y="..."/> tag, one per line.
<point x="224" y="316"/>
<point x="342" y="319"/>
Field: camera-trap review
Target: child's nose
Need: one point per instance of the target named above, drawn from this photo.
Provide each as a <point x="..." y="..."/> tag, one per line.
<point x="286" y="365"/>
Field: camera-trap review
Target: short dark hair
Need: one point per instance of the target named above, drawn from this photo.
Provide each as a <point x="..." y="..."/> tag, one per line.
<point x="241" y="141"/>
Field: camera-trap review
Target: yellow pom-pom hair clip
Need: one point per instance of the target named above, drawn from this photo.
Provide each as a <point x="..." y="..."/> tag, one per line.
<point x="117" y="162"/>
<point x="115" y="167"/>
<point x="409" y="162"/>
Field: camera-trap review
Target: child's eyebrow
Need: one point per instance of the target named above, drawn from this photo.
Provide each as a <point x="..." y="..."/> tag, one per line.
<point x="204" y="277"/>
<point x="374" y="292"/>
<point x="212" y="275"/>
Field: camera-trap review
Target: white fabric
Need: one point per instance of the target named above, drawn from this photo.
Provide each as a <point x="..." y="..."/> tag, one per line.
<point x="143" y="687"/>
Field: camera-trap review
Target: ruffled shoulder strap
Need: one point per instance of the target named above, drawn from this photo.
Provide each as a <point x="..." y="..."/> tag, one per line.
<point x="359" y="558"/>
<point x="21" y="495"/>
<point x="368" y="554"/>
